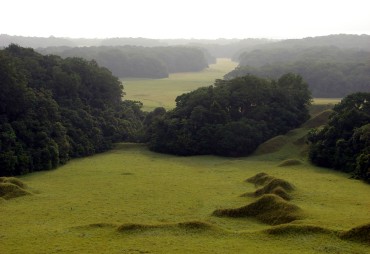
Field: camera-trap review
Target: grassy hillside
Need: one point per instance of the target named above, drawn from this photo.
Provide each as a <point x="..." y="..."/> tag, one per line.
<point x="163" y="92"/>
<point x="131" y="200"/>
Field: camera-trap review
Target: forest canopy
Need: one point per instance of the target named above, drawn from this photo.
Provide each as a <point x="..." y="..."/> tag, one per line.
<point x="54" y="109"/>
<point x="138" y="61"/>
<point x="331" y="72"/>
<point x="232" y="117"/>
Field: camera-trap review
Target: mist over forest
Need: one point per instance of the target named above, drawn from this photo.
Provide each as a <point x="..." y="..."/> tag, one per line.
<point x="333" y="65"/>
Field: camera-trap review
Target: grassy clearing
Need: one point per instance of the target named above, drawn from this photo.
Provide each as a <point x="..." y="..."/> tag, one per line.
<point x="130" y="200"/>
<point x="163" y="92"/>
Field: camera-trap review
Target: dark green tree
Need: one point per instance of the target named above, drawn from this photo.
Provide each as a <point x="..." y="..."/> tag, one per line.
<point x="344" y="143"/>
<point x="232" y="117"/>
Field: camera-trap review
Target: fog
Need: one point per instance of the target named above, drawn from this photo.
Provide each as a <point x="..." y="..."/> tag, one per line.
<point x="184" y="19"/>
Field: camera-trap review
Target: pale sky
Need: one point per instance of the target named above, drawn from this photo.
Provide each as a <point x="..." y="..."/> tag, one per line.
<point x="201" y="19"/>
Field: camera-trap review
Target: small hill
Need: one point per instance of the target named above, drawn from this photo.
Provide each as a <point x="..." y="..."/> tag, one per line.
<point x="291" y="149"/>
<point x="318" y="120"/>
<point x="11" y="187"/>
<point x="358" y="234"/>
<point x="270" y="209"/>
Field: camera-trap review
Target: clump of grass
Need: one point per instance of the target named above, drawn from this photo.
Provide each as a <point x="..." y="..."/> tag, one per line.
<point x="289" y="162"/>
<point x="195" y="225"/>
<point x="13" y="180"/>
<point x="281" y="192"/>
<point x="358" y="234"/>
<point x="9" y="190"/>
<point x="297" y="229"/>
<point x="271" y="145"/>
<point x="270" y="209"/>
<point x="260" y="179"/>
<point x="127" y="227"/>
<point x="188" y="225"/>
<point x="273" y="185"/>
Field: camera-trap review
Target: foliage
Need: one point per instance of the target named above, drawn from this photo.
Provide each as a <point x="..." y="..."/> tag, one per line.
<point x="330" y="72"/>
<point x="344" y="143"/>
<point x="53" y="109"/>
<point x="138" y="61"/>
<point x="232" y="117"/>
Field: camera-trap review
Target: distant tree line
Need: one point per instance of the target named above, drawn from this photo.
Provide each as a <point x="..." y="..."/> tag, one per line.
<point x="138" y="61"/>
<point x="220" y="48"/>
<point x="329" y="71"/>
<point x="344" y="143"/>
<point x="54" y="109"/>
<point x="230" y="118"/>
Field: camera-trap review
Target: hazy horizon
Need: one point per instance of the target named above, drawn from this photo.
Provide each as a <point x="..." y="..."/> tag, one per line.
<point x="192" y="19"/>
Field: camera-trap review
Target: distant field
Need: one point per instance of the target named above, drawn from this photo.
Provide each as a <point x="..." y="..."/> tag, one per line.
<point x="163" y="92"/>
<point x="131" y="200"/>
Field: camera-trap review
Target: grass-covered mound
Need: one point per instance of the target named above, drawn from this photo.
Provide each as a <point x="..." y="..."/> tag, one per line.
<point x="260" y="179"/>
<point x="297" y="229"/>
<point x="188" y="225"/>
<point x="271" y="185"/>
<point x="290" y="162"/>
<point x="319" y="119"/>
<point x="271" y="145"/>
<point x="270" y="209"/>
<point x="359" y="234"/>
<point x="11" y="187"/>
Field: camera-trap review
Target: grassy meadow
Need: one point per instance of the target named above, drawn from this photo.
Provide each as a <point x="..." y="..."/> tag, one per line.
<point x="131" y="200"/>
<point x="163" y="92"/>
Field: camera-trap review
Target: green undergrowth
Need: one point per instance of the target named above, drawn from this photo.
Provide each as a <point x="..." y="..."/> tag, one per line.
<point x="131" y="200"/>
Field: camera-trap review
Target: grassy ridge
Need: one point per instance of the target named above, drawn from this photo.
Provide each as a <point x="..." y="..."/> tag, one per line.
<point x="163" y="92"/>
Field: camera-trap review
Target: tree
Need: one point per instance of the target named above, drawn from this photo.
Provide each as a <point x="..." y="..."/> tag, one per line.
<point x="232" y="117"/>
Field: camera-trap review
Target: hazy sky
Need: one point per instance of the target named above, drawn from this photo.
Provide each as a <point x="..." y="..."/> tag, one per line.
<point x="184" y="18"/>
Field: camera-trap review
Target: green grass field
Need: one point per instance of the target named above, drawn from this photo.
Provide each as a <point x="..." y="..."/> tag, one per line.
<point x="131" y="200"/>
<point x="163" y="92"/>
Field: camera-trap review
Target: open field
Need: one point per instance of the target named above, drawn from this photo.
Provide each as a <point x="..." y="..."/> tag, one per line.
<point x="131" y="200"/>
<point x="163" y="92"/>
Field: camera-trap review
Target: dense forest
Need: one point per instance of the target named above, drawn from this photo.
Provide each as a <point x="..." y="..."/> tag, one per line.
<point x="344" y="143"/>
<point x="138" y="61"/>
<point x="230" y="118"/>
<point x="54" y="109"/>
<point x="330" y="71"/>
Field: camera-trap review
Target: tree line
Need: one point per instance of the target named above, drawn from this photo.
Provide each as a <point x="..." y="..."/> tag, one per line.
<point x="330" y="71"/>
<point x="54" y="109"/>
<point x="138" y="61"/>
<point x="344" y="143"/>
